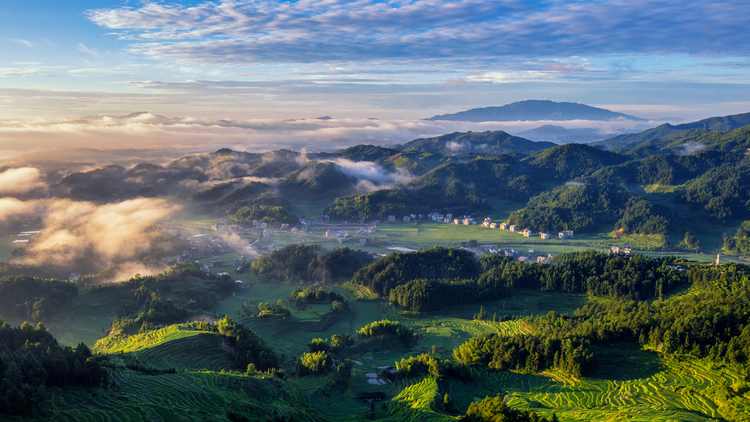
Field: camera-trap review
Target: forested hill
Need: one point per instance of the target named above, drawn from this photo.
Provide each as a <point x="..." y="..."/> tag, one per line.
<point x="535" y="110"/>
<point x="721" y="124"/>
<point x="467" y="142"/>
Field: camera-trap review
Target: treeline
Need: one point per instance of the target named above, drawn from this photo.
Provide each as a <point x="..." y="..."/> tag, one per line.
<point x="721" y="194"/>
<point x="492" y="277"/>
<point x="264" y="214"/>
<point x="431" y="263"/>
<point x="312" y="295"/>
<point x="527" y="353"/>
<point x="35" y="298"/>
<point x="248" y="347"/>
<point x="386" y="328"/>
<point x="583" y="208"/>
<point x="32" y="361"/>
<point x="431" y="365"/>
<point x="148" y="309"/>
<point x="309" y="262"/>
<point x="740" y="243"/>
<point x="493" y="409"/>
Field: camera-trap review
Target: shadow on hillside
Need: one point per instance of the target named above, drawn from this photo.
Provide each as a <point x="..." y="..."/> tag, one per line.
<point x="624" y="361"/>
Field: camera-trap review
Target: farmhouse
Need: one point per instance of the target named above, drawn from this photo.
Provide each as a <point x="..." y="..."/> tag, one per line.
<point x="407" y="219"/>
<point x="544" y="235"/>
<point x="512" y="228"/>
<point x="527" y="232"/>
<point x="503" y="226"/>
<point x="267" y="233"/>
<point x="391" y="218"/>
<point x="565" y="234"/>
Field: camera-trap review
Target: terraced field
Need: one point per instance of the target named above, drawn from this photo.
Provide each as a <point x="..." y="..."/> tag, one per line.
<point x="680" y="391"/>
<point x="177" y="346"/>
<point x="186" y="396"/>
<point x="416" y="403"/>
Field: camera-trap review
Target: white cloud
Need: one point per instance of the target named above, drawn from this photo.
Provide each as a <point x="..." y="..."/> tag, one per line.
<point x="88" y="50"/>
<point x="18" y="71"/>
<point x="246" y="32"/>
<point x="27" y="43"/>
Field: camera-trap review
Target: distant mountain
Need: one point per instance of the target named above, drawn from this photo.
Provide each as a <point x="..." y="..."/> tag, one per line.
<point x="467" y="142"/>
<point x="530" y="110"/>
<point x="561" y="135"/>
<point x="721" y="124"/>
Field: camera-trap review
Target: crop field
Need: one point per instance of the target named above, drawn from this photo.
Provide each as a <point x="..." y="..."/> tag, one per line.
<point x="416" y="403"/>
<point x="186" y="396"/>
<point x="177" y="346"/>
<point x="655" y="390"/>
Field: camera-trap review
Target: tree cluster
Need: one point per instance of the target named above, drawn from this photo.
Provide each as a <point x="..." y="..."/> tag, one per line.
<point x="32" y="361"/>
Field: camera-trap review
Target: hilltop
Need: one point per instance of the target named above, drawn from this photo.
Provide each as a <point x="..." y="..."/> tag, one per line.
<point x="530" y="110"/>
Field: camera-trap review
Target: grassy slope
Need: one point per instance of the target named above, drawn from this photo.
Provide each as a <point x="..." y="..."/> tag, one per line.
<point x="176" y="346"/>
<point x="185" y="397"/>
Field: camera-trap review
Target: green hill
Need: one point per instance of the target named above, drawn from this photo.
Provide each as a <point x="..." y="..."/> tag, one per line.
<point x="459" y="143"/>
<point x="566" y="162"/>
<point x="721" y="124"/>
<point x="316" y="180"/>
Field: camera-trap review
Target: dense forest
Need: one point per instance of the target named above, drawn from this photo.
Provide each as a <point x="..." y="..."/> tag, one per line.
<point x="309" y="262"/>
<point x="430" y="279"/>
<point x="584" y="207"/>
<point x="31" y="361"/>
<point x="38" y="299"/>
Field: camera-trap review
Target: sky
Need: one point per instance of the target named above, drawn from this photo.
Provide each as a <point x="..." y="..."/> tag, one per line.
<point x="397" y="61"/>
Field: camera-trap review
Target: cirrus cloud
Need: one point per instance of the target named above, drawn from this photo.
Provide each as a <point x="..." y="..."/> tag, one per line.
<point x="244" y="32"/>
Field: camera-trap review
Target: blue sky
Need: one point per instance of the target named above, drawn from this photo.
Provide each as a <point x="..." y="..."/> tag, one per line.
<point x="356" y="59"/>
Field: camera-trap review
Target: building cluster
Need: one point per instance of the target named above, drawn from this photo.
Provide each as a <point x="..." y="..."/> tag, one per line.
<point x="440" y="218"/>
<point x="616" y="249"/>
<point x="223" y="226"/>
<point x="533" y="256"/>
<point x="565" y="234"/>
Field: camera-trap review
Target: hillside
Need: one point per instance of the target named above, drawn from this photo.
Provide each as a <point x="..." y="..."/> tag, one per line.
<point x="566" y="162"/>
<point x="478" y="142"/>
<point x="316" y="179"/>
<point x="530" y="110"/>
<point x="721" y="124"/>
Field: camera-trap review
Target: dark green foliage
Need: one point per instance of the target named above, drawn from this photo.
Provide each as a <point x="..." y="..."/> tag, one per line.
<point x="38" y="299"/>
<point x="340" y="262"/>
<point x="374" y="205"/>
<point x="148" y="309"/>
<point x="365" y="153"/>
<point x="391" y="328"/>
<point x="722" y="193"/>
<point x="569" y="161"/>
<point x="31" y="361"/>
<point x="741" y="240"/>
<point x="314" y="363"/>
<point x="431" y="263"/>
<point x="342" y="377"/>
<point x="248" y="192"/>
<point x="433" y="366"/>
<point x="309" y="262"/>
<point x="265" y="309"/>
<point x="319" y="295"/>
<point x="460" y="186"/>
<point x="583" y="208"/>
<point x="527" y="353"/>
<point x="248" y="346"/>
<point x="288" y="263"/>
<point x="316" y="180"/>
<point x="214" y="192"/>
<point x="723" y="124"/>
<point x="494" y="409"/>
<point x="264" y="214"/>
<point x="431" y="295"/>
<point x="465" y="142"/>
<point x="630" y="277"/>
